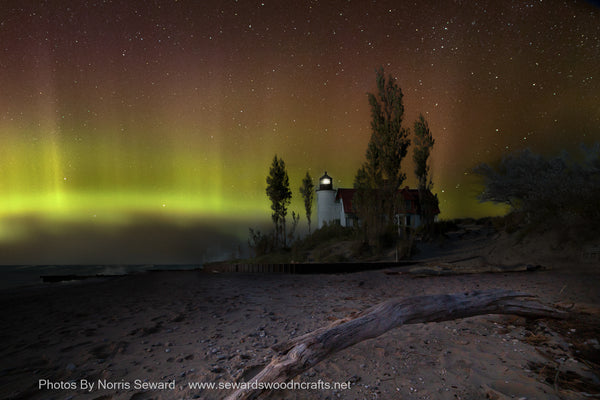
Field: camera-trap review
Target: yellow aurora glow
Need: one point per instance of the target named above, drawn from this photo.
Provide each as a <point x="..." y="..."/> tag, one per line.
<point x="110" y="110"/>
<point x="46" y="178"/>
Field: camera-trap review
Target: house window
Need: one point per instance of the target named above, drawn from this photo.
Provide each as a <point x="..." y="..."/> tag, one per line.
<point x="408" y="220"/>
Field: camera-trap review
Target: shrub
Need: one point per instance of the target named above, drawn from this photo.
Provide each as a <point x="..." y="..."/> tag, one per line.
<point x="563" y="189"/>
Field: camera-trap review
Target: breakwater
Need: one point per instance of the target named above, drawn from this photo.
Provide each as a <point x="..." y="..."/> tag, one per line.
<point x="304" y="268"/>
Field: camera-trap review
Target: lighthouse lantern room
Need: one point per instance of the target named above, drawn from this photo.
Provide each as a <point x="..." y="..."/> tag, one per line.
<point x="327" y="209"/>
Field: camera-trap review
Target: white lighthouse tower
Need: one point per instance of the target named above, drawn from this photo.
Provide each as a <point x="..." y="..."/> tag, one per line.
<point x="327" y="209"/>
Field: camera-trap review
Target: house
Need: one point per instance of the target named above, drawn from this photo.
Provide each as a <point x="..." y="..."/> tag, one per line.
<point x="335" y="205"/>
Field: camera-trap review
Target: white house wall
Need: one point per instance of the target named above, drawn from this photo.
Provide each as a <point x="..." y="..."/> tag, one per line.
<point x="343" y="221"/>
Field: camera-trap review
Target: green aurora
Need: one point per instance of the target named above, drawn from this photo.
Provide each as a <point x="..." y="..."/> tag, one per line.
<point x="112" y="114"/>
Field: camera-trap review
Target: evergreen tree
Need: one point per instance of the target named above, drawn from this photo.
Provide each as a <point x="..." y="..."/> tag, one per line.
<point x="308" y="194"/>
<point x="278" y="191"/>
<point x="380" y="176"/>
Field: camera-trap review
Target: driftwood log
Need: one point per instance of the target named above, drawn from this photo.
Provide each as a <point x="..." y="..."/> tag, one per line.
<point x="443" y="269"/>
<point x="306" y="351"/>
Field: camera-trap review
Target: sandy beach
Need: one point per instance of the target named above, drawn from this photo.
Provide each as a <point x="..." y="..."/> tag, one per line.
<point x="161" y="335"/>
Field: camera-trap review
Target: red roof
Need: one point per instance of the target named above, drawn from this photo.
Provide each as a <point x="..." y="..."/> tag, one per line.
<point x="412" y="195"/>
<point x="346" y="195"/>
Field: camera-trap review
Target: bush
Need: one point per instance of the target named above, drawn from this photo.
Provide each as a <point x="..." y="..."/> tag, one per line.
<point x="320" y="239"/>
<point x="438" y="229"/>
<point x="260" y="243"/>
<point x="543" y="191"/>
<point x="510" y="223"/>
<point x="327" y="233"/>
<point x="388" y="238"/>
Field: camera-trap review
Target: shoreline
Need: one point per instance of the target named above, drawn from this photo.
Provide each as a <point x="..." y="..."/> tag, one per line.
<point x="198" y="327"/>
<point x="27" y="276"/>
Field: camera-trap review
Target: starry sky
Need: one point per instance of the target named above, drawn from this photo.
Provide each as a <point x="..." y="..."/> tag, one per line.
<point x="114" y="109"/>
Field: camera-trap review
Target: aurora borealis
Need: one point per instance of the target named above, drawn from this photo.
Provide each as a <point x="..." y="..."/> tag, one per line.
<point x="174" y="109"/>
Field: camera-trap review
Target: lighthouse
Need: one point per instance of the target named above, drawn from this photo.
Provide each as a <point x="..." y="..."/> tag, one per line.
<point x="327" y="209"/>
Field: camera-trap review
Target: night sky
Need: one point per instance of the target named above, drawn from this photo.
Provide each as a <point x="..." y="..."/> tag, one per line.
<point x="175" y="109"/>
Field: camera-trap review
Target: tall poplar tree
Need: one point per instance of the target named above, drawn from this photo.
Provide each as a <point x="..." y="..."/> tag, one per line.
<point x="423" y="144"/>
<point x="379" y="178"/>
<point x="278" y="191"/>
<point x="308" y="194"/>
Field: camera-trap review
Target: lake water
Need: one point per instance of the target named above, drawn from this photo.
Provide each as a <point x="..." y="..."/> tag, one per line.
<point x="14" y="276"/>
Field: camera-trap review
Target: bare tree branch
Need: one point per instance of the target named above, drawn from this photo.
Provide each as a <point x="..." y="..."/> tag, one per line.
<point x="304" y="352"/>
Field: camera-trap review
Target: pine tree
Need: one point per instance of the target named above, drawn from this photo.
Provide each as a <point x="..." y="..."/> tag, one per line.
<point x="278" y="191"/>
<point x="308" y="194"/>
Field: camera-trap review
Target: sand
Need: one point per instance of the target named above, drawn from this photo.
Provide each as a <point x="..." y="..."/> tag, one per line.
<point x="155" y="335"/>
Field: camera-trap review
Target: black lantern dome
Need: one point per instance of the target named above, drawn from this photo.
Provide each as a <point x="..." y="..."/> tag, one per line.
<point x="325" y="182"/>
